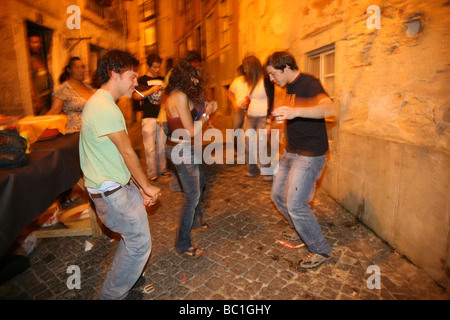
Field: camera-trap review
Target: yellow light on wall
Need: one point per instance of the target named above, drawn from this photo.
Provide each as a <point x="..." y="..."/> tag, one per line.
<point x="150" y="36"/>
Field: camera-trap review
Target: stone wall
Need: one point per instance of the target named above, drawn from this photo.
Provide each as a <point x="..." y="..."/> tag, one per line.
<point x="389" y="159"/>
<point x="10" y="88"/>
<point x="15" y="95"/>
<point x="393" y="149"/>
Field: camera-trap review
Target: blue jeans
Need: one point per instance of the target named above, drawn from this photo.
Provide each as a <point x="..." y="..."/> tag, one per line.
<point x="154" y="140"/>
<point x="253" y="145"/>
<point x="124" y="212"/>
<point x="237" y="123"/>
<point x="293" y="189"/>
<point x="192" y="181"/>
<point x="238" y="118"/>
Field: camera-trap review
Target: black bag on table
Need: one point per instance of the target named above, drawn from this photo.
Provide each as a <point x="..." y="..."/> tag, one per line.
<point x="13" y="149"/>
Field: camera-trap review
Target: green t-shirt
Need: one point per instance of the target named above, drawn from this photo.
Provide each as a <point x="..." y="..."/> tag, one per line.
<point x="100" y="159"/>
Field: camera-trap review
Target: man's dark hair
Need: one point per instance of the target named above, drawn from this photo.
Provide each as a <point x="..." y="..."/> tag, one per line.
<point x="193" y="56"/>
<point x="280" y="59"/>
<point x="240" y="70"/>
<point x="34" y="34"/>
<point x="252" y="71"/>
<point x="117" y="61"/>
<point x="153" y="58"/>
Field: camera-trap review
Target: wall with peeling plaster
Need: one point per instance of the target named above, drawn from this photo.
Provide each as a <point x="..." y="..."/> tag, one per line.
<point x="389" y="161"/>
<point x="15" y="95"/>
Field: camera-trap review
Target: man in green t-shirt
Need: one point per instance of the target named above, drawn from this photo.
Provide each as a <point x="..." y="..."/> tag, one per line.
<point x="113" y="175"/>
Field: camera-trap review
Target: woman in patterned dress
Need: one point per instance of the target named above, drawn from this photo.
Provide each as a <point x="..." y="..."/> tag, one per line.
<point x="72" y="94"/>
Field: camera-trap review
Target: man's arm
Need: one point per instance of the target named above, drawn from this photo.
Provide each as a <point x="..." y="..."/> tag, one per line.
<point x="145" y="93"/>
<point x="149" y="192"/>
<point x="318" y="107"/>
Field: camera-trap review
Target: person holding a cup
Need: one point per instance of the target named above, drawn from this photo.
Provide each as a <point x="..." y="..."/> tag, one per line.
<point x="303" y="161"/>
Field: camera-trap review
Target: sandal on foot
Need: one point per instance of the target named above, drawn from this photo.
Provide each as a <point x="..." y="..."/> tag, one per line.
<point x="192" y="253"/>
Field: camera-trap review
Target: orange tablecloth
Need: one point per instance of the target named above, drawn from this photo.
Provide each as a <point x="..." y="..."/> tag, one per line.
<point x="33" y="127"/>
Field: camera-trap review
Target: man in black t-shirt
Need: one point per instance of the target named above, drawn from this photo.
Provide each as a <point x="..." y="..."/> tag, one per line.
<point x="149" y="97"/>
<point x="304" y="158"/>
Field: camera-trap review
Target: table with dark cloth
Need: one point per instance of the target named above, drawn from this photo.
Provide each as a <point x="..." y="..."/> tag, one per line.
<point x="26" y="192"/>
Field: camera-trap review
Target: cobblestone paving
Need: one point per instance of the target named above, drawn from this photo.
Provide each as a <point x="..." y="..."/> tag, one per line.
<point x="242" y="259"/>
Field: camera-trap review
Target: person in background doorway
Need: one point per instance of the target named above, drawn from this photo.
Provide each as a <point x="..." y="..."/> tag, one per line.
<point x="154" y="138"/>
<point x="113" y="174"/>
<point x="41" y="79"/>
<point x="304" y="158"/>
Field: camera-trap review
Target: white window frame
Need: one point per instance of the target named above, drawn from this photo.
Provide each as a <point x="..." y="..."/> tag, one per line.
<point x="322" y="76"/>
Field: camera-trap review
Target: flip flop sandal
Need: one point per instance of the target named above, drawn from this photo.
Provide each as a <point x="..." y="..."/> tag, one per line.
<point x="192" y="253"/>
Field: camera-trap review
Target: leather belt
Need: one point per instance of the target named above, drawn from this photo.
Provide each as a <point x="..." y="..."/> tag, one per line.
<point x="107" y="193"/>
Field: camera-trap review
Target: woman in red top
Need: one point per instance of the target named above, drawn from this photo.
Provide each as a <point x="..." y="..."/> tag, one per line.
<point x="185" y="89"/>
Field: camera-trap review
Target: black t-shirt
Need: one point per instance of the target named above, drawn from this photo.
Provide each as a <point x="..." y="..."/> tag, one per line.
<point x="307" y="137"/>
<point x="150" y="105"/>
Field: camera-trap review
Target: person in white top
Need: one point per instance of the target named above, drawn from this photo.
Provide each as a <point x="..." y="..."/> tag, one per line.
<point x="238" y="96"/>
<point x="256" y="114"/>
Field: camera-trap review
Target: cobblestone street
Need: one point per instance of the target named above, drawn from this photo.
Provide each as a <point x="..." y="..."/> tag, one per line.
<point x="242" y="259"/>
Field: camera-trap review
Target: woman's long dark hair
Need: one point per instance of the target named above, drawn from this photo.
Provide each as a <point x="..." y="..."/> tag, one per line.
<point x="252" y="71"/>
<point x="65" y="75"/>
<point x="181" y="79"/>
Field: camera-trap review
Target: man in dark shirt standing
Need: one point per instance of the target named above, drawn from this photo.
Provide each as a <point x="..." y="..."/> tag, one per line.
<point x="154" y="138"/>
<point x="304" y="158"/>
